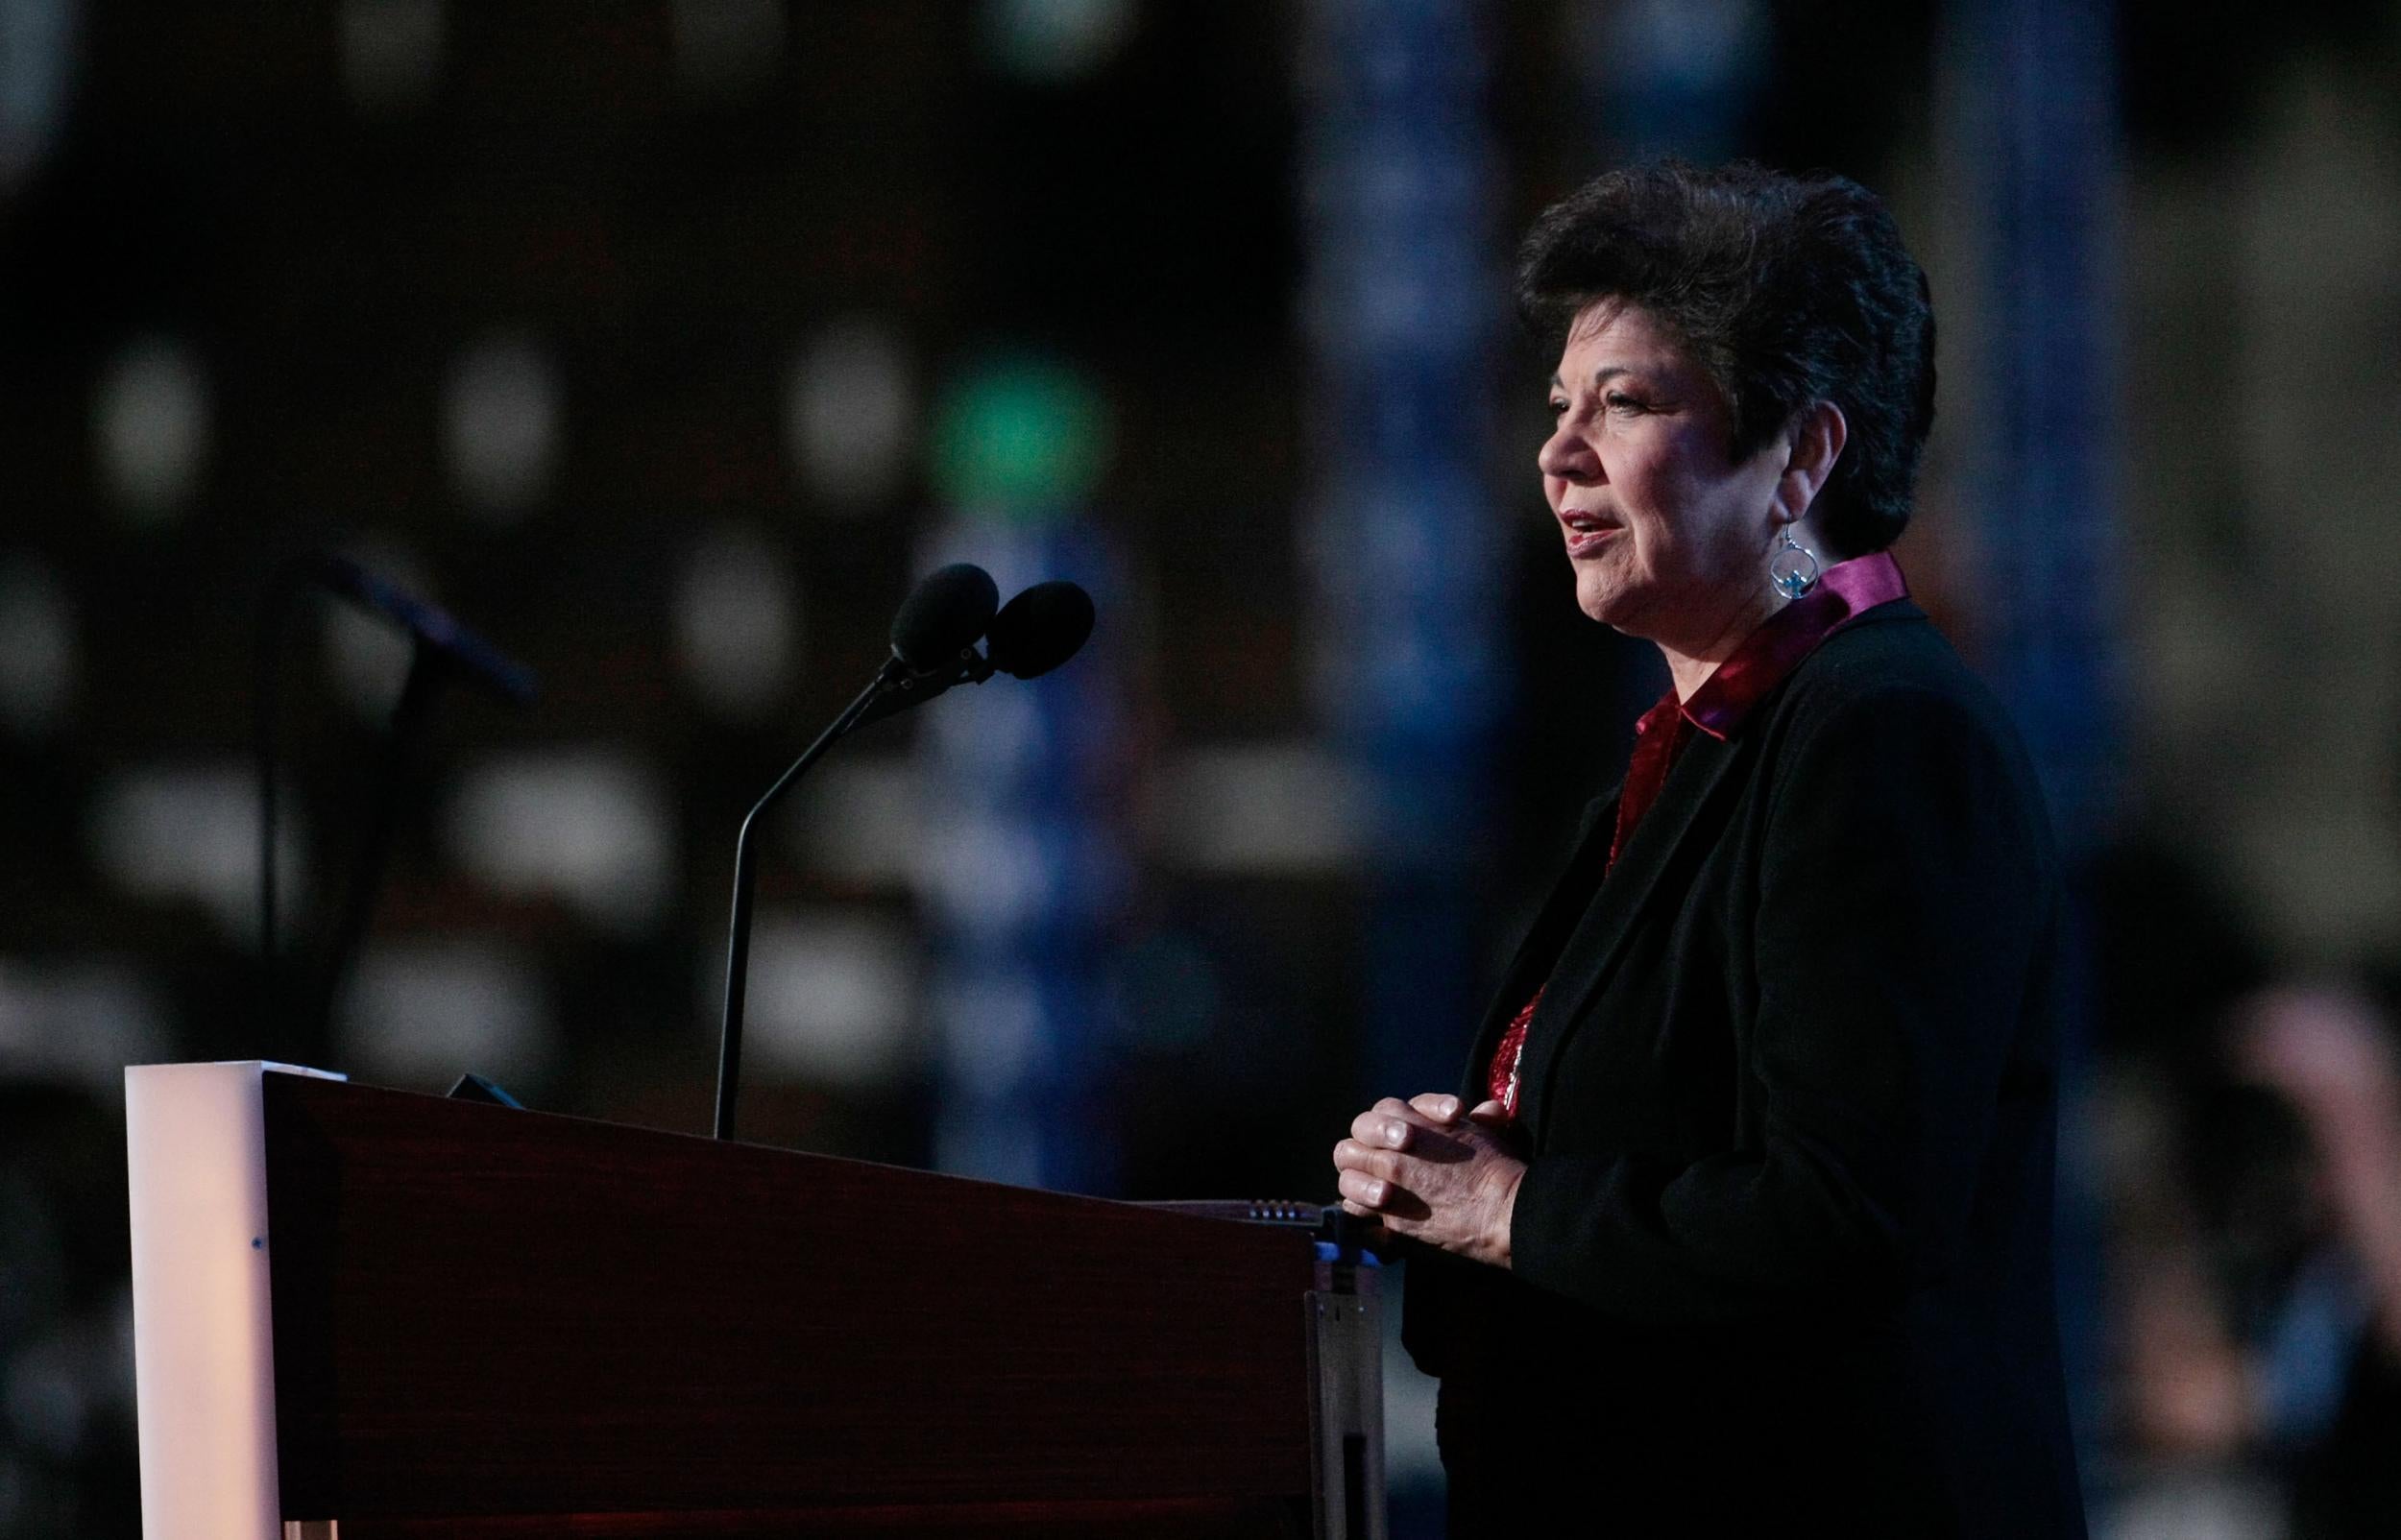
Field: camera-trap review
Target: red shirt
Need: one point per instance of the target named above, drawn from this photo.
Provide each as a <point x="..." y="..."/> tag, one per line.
<point x="1764" y="659"/>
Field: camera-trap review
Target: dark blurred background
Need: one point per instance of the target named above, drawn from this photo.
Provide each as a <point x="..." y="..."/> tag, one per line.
<point x="666" y="342"/>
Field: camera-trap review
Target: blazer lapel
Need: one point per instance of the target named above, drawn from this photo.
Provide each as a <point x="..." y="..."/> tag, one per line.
<point x="1532" y="960"/>
<point x="1591" y="950"/>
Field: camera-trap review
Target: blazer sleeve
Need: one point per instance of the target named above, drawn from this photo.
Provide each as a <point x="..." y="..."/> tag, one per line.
<point x="1906" y="907"/>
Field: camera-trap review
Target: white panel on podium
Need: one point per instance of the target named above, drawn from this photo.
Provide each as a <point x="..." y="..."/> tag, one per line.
<point x="204" y="1344"/>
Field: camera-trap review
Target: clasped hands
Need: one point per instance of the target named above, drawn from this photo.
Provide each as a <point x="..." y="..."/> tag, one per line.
<point x="1434" y="1173"/>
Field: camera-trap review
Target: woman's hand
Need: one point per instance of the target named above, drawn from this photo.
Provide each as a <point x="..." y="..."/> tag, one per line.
<point x="1434" y="1175"/>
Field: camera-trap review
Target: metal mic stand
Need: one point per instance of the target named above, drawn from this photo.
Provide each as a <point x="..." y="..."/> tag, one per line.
<point x="893" y="676"/>
<point x="426" y="669"/>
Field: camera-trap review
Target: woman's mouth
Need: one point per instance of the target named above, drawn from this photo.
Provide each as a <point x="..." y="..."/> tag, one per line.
<point x="1586" y="533"/>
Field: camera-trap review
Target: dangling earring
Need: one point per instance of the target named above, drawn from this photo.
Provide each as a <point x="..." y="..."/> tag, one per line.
<point x="1791" y="570"/>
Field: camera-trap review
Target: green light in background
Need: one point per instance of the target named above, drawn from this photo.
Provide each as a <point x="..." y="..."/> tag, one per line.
<point x="1020" y="439"/>
<point x="1054" y="40"/>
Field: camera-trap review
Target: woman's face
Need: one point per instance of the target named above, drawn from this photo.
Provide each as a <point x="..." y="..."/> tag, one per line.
<point x="1668" y="537"/>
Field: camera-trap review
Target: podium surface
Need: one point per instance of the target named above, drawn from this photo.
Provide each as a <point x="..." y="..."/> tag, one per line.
<point x="364" y="1312"/>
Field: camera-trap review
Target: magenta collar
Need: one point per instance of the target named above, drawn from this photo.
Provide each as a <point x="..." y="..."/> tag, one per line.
<point x="1845" y="591"/>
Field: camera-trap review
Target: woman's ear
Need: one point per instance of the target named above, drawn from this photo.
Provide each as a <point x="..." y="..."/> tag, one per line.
<point x="1818" y="435"/>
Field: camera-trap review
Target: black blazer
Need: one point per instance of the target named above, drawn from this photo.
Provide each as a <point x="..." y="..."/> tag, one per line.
<point x="1783" y="1250"/>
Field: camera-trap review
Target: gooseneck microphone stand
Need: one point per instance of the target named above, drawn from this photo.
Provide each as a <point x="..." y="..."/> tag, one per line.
<point x="933" y="636"/>
<point x="427" y="670"/>
<point x="440" y="649"/>
<point x="933" y="648"/>
<point x="745" y="883"/>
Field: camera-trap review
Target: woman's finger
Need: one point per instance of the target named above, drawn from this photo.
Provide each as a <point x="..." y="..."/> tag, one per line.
<point x="1359" y="1188"/>
<point x="1387" y="1123"/>
<point x="1352" y="1156"/>
<point x="1440" y="1106"/>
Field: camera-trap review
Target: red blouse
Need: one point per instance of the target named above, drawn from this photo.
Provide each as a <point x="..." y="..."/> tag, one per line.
<point x="1764" y="659"/>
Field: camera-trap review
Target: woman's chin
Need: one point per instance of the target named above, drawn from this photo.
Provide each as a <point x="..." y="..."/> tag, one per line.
<point x="1604" y="602"/>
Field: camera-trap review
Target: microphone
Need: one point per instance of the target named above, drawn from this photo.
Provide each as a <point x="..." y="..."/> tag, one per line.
<point x="933" y="647"/>
<point x="1034" y="633"/>
<point x="934" y="637"/>
<point x="935" y="627"/>
<point x="441" y="648"/>
<point x="943" y="617"/>
<point x="432" y="628"/>
<point x="1040" y="629"/>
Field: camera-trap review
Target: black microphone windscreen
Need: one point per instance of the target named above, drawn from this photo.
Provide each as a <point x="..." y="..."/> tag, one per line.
<point x="943" y="616"/>
<point x="1040" y="629"/>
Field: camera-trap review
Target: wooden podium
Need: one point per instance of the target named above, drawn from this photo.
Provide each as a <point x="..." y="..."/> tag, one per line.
<point x="362" y="1313"/>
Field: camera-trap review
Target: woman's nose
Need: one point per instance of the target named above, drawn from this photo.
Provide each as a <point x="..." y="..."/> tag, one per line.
<point x="1566" y="456"/>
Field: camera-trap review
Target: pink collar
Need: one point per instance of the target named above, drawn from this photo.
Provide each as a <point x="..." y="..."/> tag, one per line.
<point x="1844" y="591"/>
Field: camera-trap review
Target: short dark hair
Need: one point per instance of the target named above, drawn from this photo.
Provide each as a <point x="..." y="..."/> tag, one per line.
<point x="1786" y="290"/>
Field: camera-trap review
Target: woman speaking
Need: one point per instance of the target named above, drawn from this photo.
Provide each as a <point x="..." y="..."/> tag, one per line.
<point x="1741" y="1221"/>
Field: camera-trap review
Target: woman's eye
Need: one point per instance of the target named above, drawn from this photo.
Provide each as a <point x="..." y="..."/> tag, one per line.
<point x="1620" y="401"/>
<point x="1558" y="406"/>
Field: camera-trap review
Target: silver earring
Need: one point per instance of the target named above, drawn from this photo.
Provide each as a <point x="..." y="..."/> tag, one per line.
<point x="1791" y="568"/>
